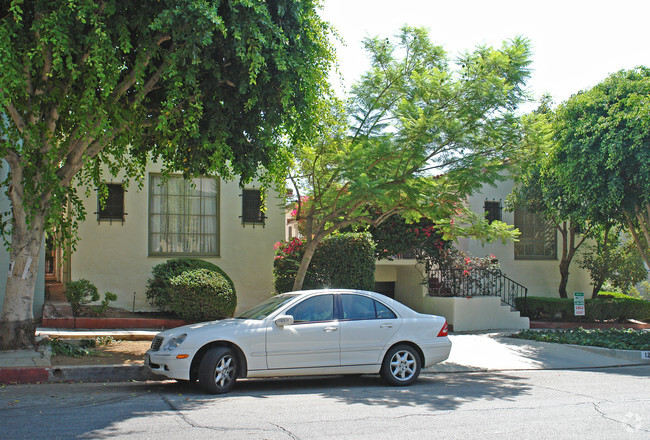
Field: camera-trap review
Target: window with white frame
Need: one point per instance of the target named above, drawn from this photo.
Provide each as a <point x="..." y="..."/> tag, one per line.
<point x="538" y="239"/>
<point x="183" y="216"/>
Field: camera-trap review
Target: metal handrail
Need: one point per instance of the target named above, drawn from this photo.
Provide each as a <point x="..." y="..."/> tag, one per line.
<point x="476" y="282"/>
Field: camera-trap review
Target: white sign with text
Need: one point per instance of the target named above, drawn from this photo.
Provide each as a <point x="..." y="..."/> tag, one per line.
<point x="579" y="303"/>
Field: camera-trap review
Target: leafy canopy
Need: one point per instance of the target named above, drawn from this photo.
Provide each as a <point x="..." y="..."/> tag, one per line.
<point x="603" y="154"/>
<point x="205" y="86"/>
<point x="415" y="138"/>
<point x="423" y="136"/>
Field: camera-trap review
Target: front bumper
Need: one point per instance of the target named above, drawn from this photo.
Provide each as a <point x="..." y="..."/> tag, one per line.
<point x="167" y="364"/>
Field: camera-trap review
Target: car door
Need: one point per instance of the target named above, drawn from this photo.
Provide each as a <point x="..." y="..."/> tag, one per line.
<point x="367" y="326"/>
<point x="311" y="341"/>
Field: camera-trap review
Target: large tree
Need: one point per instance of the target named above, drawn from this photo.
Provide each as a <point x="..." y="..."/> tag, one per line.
<point x="603" y="154"/>
<point x="204" y="86"/>
<point x="538" y="188"/>
<point x="423" y="136"/>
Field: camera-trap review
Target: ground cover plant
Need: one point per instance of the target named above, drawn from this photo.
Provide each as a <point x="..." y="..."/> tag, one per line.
<point x="625" y="339"/>
<point x="83" y="347"/>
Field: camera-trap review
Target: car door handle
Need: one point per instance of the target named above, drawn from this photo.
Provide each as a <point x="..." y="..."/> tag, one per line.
<point x="330" y="329"/>
<point x="386" y="326"/>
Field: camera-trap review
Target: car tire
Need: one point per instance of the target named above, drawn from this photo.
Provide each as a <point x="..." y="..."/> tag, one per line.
<point x="218" y="370"/>
<point x="401" y="366"/>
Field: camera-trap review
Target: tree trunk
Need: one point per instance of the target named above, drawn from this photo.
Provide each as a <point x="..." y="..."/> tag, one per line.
<point x="602" y="247"/>
<point x="569" y="249"/>
<point x="310" y="249"/>
<point x="17" y="320"/>
<point x="637" y="240"/>
<point x="564" y="277"/>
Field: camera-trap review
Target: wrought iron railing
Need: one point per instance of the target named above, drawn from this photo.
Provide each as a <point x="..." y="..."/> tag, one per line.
<point x="477" y="282"/>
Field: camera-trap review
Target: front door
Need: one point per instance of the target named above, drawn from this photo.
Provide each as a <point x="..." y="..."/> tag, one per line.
<point x="313" y="339"/>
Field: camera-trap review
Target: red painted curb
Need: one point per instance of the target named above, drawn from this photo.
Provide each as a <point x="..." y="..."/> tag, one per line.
<point x="23" y="375"/>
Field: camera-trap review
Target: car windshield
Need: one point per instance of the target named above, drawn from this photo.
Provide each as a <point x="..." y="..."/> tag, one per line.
<point x="264" y="309"/>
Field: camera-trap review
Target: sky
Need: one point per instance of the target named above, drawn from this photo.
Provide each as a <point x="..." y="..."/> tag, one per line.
<point x="575" y="43"/>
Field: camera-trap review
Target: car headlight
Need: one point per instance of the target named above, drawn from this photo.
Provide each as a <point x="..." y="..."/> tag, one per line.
<point x="174" y="342"/>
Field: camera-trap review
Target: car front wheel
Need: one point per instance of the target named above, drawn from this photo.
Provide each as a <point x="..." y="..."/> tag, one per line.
<point x="401" y="366"/>
<point x="218" y="370"/>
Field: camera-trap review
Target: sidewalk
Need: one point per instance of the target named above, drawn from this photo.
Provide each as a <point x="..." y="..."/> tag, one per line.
<point x="475" y="352"/>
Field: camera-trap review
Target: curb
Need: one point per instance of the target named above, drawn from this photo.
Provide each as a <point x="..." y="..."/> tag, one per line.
<point x="628" y="355"/>
<point x="84" y="373"/>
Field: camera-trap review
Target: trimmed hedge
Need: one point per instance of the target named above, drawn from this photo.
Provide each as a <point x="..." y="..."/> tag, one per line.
<point x="602" y="308"/>
<point x="159" y="289"/>
<point x="202" y="295"/>
<point x="345" y="260"/>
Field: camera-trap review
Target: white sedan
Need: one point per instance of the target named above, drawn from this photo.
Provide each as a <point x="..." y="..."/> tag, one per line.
<point x="312" y="332"/>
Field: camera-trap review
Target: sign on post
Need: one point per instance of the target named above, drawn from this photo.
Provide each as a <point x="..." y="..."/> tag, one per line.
<point x="579" y="303"/>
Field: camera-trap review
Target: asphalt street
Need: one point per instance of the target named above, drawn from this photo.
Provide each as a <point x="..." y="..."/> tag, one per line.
<point x="541" y="404"/>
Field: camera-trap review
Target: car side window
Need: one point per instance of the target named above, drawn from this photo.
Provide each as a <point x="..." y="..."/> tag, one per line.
<point x="358" y="307"/>
<point x="314" y="309"/>
<point x="384" y="312"/>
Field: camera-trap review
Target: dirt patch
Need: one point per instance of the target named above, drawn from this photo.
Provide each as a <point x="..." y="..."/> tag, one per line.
<point x="118" y="352"/>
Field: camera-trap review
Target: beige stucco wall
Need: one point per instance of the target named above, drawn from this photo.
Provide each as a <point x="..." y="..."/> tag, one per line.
<point x="542" y="277"/>
<point x="475" y="313"/>
<point x="115" y="256"/>
<point x="407" y="276"/>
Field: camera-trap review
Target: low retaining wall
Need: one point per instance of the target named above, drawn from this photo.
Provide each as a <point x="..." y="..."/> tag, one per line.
<point x="475" y="313"/>
<point x="107" y="323"/>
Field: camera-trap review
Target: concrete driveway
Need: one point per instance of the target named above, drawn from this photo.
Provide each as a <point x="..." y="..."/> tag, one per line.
<point x="495" y="351"/>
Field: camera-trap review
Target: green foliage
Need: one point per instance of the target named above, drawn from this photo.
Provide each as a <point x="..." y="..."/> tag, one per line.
<point x="410" y="117"/>
<point x="202" y="295"/>
<point x="622" y="339"/>
<point x="345" y="260"/>
<point x="607" y="308"/>
<point x="620" y="264"/>
<point x="159" y="288"/>
<point x="208" y="87"/>
<point x="603" y="157"/>
<point x="82" y="292"/>
<point x="201" y="87"/>
<point x="395" y="236"/>
<point x="84" y="347"/>
<point x="539" y="189"/>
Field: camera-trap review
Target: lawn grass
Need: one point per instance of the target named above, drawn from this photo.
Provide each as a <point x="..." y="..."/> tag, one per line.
<point x="625" y="339"/>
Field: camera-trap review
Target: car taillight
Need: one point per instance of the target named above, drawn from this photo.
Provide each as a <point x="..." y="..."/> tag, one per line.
<point x="443" y="330"/>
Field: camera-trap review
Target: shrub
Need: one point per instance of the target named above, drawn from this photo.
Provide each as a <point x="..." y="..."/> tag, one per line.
<point x="607" y="308"/>
<point x="82" y="292"/>
<point x="545" y="309"/>
<point x="202" y="295"/>
<point x="345" y="260"/>
<point x="159" y="289"/>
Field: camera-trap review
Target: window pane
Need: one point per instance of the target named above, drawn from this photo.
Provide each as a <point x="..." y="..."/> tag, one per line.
<point x="182" y="218"/>
<point x="538" y="239"/>
<point x="112" y="207"/>
<point x="358" y="307"/>
<point x="314" y="309"/>
<point x="251" y="206"/>
<point x="384" y="312"/>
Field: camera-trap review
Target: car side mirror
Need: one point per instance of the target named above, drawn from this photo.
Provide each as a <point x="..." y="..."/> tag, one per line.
<point x="283" y="320"/>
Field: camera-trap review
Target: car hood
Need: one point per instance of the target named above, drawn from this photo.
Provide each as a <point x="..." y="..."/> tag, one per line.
<point x="201" y="327"/>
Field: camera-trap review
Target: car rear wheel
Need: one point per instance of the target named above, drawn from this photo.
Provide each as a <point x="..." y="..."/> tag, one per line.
<point x="218" y="370"/>
<point x="401" y="366"/>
